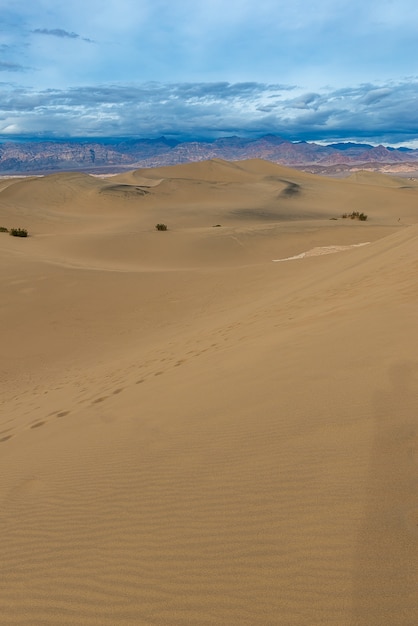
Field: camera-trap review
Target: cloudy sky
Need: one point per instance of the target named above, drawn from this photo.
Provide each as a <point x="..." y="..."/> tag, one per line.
<point x="325" y="70"/>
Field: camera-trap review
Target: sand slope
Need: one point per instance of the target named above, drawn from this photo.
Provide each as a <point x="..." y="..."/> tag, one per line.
<point x="191" y="433"/>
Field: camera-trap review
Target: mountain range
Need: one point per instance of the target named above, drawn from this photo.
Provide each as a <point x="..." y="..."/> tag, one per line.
<point x="116" y="155"/>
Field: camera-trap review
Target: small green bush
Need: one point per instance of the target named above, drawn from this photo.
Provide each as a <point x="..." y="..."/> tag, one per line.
<point x="161" y="226"/>
<point x="3" y="229"/>
<point x="18" y="232"/>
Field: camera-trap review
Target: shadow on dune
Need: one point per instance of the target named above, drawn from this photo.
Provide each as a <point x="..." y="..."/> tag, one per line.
<point x="386" y="573"/>
<point x="125" y="191"/>
<point x="292" y="189"/>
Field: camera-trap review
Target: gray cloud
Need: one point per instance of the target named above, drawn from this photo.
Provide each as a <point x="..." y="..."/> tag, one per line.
<point x="375" y="95"/>
<point x="56" y="32"/>
<point x="305" y="101"/>
<point x="379" y="113"/>
<point x="8" y="66"/>
<point x="60" y="32"/>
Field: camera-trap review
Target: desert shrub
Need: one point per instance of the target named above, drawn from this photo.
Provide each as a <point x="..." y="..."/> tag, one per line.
<point x="217" y="225"/>
<point x="18" y="232"/>
<point x="3" y="229"/>
<point x="161" y="226"/>
<point x="355" y="215"/>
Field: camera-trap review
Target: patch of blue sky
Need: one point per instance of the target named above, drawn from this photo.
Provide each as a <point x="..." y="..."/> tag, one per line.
<point x="305" y="69"/>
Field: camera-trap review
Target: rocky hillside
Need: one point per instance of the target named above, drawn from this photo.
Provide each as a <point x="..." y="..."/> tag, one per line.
<point x="113" y="155"/>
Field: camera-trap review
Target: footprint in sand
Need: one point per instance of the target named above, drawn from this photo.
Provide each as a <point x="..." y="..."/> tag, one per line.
<point x="6" y="438"/>
<point x="98" y="400"/>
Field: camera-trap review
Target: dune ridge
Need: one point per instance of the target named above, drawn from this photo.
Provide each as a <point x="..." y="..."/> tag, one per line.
<point x="192" y="434"/>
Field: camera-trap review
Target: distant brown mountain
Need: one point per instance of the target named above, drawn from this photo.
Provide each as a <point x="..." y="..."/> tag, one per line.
<point x="115" y="155"/>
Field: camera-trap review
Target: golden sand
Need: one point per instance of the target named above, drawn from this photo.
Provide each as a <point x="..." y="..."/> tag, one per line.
<point x="191" y="433"/>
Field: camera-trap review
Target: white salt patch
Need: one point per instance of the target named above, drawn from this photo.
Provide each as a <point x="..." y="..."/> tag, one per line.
<point x="321" y="251"/>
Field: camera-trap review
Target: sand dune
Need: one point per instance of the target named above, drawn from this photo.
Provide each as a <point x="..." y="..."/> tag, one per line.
<point x="380" y="180"/>
<point x="191" y="433"/>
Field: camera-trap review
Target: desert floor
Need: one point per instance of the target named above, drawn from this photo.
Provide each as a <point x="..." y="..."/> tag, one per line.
<point x="194" y="430"/>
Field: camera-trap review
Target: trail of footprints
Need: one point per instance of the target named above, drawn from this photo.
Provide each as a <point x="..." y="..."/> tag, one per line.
<point x="150" y="369"/>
